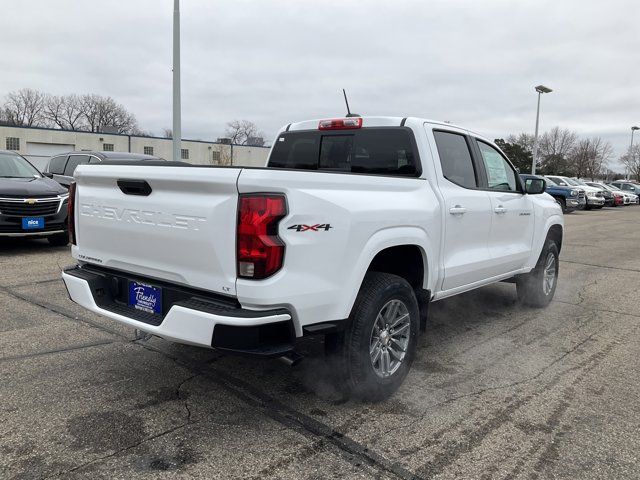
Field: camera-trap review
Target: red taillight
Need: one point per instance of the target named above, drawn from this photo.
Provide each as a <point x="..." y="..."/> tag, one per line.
<point x="71" y="222"/>
<point x="260" y="251"/>
<point x="340" y="123"/>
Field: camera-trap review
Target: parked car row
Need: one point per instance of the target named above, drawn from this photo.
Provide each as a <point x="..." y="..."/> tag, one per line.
<point x="575" y="194"/>
<point x="34" y="203"/>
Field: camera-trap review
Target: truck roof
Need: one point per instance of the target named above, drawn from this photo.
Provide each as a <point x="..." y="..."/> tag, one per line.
<point x="373" y="121"/>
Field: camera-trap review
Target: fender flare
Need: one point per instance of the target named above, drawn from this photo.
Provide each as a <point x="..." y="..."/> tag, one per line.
<point x="387" y="238"/>
<point x="538" y="242"/>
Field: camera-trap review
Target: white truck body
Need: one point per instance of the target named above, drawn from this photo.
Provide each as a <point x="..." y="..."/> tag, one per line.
<point x="184" y="233"/>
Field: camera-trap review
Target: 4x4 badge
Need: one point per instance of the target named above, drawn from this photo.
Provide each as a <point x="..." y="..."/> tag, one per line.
<point x="313" y="228"/>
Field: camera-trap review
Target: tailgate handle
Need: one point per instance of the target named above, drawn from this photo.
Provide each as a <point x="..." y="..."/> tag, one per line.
<point x="135" y="187"/>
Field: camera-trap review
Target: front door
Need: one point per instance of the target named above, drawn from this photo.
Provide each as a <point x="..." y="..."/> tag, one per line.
<point x="512" y="224"/>
<point x="467" y="215"/>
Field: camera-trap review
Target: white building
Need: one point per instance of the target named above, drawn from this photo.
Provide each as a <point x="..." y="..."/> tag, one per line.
<point x="39" y="144"/>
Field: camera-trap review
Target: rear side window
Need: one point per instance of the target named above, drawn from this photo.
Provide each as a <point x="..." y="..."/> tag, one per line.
<point x="74" y="161"/>
<point x="382" y="151"/>
<point x="56" y="165"/>
<point x="455" y="159"/>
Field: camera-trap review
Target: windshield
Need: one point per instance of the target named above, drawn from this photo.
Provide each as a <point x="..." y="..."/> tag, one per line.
<point x="571" y="181"/>
<point x="551" y="182"/>
<point x="13" y="165"/>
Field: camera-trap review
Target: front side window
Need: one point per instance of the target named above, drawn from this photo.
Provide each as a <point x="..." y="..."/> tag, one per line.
<point x="455" y="159"/>
<point x="56" y="165"/>
<point x="500" y="175"/>
<point x="15" y="166"/>
<point x="74" y="161"/>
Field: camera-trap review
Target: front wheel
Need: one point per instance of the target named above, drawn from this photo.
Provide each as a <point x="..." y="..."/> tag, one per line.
<point x="537" y="288"/>
<point x="377" y="349"/>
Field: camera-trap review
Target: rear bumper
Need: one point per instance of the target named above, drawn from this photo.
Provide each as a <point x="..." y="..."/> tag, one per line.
<point x="190" y="317"/>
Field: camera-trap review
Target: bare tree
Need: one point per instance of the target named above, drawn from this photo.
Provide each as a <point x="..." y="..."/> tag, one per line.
<point x="589" y="157"/>
<point x="24" y="107"/>
<point x="167" y="132"/>
<point x="65" y="112"/>
<point x="631" y="160"/>
<point x="523" y="140"/>
<point x="241" y="131"/>
<point x="99" y="112"/>
<point x="554" y="149"/>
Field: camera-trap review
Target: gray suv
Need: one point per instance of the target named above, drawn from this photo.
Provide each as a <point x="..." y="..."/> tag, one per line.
<point x="61" y="167"/>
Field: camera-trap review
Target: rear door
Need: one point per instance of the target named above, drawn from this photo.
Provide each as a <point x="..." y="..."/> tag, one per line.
<point x="512" y="222"/>
<point x="74" y="161"/>
<point x="182" y="231"/>
<point x="467" y="212"/>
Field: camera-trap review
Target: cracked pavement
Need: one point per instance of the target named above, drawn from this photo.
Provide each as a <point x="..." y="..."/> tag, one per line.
<point x="497" y="390"/>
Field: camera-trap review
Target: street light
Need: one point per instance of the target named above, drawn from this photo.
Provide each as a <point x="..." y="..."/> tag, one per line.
<point x="540" y="89"/>
<point x="633" y="129"/>
<point x="177" y="123"/>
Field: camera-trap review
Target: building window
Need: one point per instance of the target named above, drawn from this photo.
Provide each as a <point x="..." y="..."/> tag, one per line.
<point x="107" y="147"/>
<point x="184" y="154"/>
<point x="215" y="156"/>
<point x="148" y="150"/>
<point x="13" y="143"/>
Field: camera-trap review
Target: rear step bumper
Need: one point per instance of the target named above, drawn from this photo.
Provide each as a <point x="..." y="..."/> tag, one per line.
<point x="190" y="317"/>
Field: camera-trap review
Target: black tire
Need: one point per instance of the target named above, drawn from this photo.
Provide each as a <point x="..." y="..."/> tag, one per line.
<point x="59" y="239"/>
<point x="531" y="287"/>
<point x="351" y="349"/>
<point x="563" y="204"/>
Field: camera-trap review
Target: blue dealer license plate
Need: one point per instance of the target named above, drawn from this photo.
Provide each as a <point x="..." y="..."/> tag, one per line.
<point x="145" y="297"/>
<point x="32" y="223"/>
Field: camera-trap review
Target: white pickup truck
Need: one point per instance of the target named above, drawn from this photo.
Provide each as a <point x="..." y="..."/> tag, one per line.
<point x="353" y="227"/>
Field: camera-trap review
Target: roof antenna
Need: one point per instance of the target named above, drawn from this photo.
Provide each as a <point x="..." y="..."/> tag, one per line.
<point x="349" y="114"/>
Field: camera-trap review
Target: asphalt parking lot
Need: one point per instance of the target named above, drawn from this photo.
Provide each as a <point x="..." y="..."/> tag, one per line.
<point x="497" y="391"/>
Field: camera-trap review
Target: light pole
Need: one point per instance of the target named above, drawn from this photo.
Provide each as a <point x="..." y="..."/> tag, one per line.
<point x="540" y="89"/>
<point x="633" y="129"/>
<point x="177" y="131"/>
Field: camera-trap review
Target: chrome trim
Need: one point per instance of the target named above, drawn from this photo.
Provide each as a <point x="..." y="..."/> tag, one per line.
<point x="31" y="234"/>
<point x="30" y="201"/>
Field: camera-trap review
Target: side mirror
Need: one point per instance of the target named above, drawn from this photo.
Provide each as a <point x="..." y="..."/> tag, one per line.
<point x="535" y="186"/>
<point x="47" y="174"/>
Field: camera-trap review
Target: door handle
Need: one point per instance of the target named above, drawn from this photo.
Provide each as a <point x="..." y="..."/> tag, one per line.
<point x="500" y="210"/>
<point x="457" y="210"/>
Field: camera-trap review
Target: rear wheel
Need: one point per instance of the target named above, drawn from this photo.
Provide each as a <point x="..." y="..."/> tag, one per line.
<point x="59" y="239"/>
<point x="537" y="288"/>
<point x="377" y="349"/>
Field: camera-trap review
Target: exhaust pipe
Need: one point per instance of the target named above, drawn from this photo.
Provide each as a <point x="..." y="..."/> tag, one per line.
<point x="291" y="359"/>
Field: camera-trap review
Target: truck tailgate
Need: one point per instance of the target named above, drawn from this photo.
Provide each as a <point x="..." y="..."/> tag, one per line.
<point x="183" y="231"/>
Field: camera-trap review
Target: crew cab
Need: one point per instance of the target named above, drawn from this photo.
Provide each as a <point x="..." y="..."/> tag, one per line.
<point x="351" y="229"/>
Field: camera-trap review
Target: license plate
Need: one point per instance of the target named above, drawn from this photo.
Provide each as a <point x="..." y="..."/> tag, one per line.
<point x="145" y="297"/>
<point x="32" y="223"/>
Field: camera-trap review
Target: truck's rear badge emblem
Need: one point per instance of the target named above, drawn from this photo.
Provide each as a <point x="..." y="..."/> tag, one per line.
<point x="314" y="228"/>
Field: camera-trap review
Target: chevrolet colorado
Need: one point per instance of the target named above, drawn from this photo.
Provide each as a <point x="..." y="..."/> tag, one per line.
<point x="351" y="229"/>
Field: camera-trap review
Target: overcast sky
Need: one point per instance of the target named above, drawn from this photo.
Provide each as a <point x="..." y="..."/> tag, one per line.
<point x="474" y="63"/>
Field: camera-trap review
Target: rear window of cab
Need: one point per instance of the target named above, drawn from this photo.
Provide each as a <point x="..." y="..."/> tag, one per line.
<point x="374" y="151"/>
